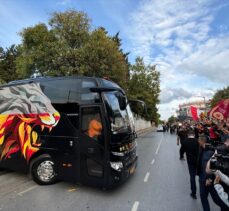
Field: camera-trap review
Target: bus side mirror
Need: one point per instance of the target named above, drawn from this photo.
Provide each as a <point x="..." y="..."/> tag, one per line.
<point x="122" y="100"/>
<point x="138" y="107"/>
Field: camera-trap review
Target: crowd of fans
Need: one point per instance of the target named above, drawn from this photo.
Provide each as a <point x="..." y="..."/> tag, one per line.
<point x="206" y="145"/>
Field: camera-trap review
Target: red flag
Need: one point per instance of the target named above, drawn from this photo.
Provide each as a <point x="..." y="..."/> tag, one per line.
<point x="194" y="113"/>
<point x="220" y="111"/>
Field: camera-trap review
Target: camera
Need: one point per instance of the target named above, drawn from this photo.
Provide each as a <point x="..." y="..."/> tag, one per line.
<point x="219" y="146"/>
<point x="220" y="162"/>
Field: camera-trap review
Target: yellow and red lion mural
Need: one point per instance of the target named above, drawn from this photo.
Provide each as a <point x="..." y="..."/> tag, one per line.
<point x="22" y="108"/>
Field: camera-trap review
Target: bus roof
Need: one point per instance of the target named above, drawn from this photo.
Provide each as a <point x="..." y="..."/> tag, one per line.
<point x="46" y="78"/>
<point x="104" y="82"/>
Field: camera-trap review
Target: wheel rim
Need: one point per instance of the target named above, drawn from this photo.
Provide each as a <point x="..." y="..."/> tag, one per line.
<point x="45" y="171"/>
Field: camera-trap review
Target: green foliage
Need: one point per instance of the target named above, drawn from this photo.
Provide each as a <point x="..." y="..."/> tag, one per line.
<point x="54" y="49"/>
<point x="219" y="95"/>
<point x="71" y="28"/>
<point x="172" y="119"/>
<point x="144" y="85"/>
<point x="36" y="51"/>
<point x="68" y="47"/>
<point x="100" y="57"/>
<point x="7" y="64"/>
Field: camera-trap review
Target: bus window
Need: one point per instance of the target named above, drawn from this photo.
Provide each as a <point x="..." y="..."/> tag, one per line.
<point x="86" y="94"/>
<point x="91" y="122"/>
<point x="70" y="91"/>
<point x="88" y="84"/>
<point x="62" y="91"/>
<point x="94" y="97"/>
<point x="71" y="110"/>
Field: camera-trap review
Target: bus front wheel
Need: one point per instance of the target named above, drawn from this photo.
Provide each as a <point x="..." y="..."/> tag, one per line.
<point x="43" y="170"/>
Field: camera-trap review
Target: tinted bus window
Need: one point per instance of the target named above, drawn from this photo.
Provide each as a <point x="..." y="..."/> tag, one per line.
<point x="89" y="83"/>
<point x="87" y="95"/>
<point x="65" y="96"/>
<point x="70" y="91"/>
<point x="107" y="83"/>
<point x="72" y="112"/>
<point x="62" y="91"/>
<point x="119" y="118"/>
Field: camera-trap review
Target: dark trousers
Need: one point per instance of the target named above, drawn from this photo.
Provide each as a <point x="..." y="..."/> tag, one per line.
<point x="192" y="173"/>
<point x="182" y="151"/>
<point x="204" y="192"/>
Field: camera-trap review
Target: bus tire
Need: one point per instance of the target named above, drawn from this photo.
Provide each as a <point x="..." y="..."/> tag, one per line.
<point x="43" y="170"/>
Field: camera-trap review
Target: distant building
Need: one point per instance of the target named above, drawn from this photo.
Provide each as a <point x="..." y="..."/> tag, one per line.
<point x="184" y="111"/>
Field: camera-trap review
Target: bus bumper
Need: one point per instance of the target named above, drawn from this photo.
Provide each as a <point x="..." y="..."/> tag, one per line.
<point x="118" y="177"/>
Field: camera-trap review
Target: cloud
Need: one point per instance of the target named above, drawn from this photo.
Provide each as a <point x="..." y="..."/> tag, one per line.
<point x="170" y="94"/>
<point x="210" y="60"/>
<point x="175" y="28"/>
<point x="64" y="2"/>
<point x="178" y="37"/>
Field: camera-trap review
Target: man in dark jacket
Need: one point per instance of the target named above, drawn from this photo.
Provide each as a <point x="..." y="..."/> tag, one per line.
<point x="181" y="136"/>
<point x="205" y="179"/>
<point x="191" y="148"/>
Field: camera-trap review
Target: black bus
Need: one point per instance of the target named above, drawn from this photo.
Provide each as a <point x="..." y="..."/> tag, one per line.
<point x="71" y="128"/>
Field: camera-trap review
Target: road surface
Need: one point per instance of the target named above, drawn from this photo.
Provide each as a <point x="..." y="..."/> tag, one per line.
<point x="161" y="183"/>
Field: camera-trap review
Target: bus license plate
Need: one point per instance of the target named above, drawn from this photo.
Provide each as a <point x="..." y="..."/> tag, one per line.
<point x="132" y="170"/>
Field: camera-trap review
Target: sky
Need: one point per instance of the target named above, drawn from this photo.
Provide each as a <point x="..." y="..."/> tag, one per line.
<point x="187" y="40"/>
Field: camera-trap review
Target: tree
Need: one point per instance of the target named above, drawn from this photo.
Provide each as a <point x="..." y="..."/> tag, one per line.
<point x="144" y="85"/>
<point x="37" y="51"/>
<point x="101" y="57"/>
<point x="68" y="47"/>
<point x="7" y="64"/>
<point x="54" y="51"/>
<point x="172" y="119"/>
<point x="118" y="41"/>
<point x="219" y="95"/>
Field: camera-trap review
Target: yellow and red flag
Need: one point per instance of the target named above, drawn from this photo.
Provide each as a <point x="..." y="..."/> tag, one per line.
<point x="220" y="111"/>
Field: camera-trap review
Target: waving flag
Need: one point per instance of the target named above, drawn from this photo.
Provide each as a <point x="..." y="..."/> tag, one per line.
<point x="194" y="113"/>
<point x="220" y="111"/>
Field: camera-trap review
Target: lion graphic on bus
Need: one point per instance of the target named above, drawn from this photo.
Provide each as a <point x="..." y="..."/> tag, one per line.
<point x="22" y="108"/>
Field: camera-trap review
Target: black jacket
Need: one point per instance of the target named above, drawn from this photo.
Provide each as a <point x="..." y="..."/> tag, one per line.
<point x="191" y="147"/>
<point x="182" y="135"/>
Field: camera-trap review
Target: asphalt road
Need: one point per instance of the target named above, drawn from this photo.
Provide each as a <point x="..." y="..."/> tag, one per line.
<point x="161" y="183"/>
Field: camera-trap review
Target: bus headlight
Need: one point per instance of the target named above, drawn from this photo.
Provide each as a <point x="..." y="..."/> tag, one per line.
<point x="116" y="166"/>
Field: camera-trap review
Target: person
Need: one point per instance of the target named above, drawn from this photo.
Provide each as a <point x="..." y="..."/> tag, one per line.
<point x="219" y="176"/>
<point x="219" y="188"/>
<point x="199" y="130"/>
<point x="181" y="136"/>
<point x="214" y="133"/>
<point x="224" y="133"/>
<point x="191" y="148"/>
<point x="94" y="128"/>
<point x="205" y="179"/>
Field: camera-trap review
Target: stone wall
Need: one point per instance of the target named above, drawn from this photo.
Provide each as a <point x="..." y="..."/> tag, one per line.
<point x="141" y="124"/>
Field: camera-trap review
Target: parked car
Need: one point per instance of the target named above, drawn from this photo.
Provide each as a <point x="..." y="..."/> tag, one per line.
<point x="160" y="128"/>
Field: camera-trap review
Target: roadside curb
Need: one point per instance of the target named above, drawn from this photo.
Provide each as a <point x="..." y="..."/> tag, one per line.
<point x="146" y="130"/>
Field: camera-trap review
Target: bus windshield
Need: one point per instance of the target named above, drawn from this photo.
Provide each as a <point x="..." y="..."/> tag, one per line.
<point x="121" y="121"/>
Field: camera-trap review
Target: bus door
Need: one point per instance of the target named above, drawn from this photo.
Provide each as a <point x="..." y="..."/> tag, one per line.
<point x="92" y="146"/>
